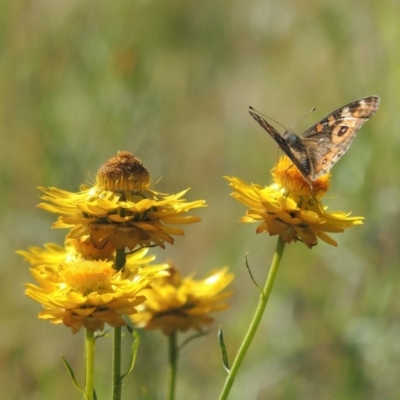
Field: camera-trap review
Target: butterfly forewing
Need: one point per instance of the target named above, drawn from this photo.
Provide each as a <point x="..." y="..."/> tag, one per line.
<point x="331" y="137"/>
<point x="297" y="156"/>
<point x="351" y="116"/>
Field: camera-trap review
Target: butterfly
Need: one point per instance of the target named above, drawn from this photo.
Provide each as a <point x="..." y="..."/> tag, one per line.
<point x="318" y="149"/>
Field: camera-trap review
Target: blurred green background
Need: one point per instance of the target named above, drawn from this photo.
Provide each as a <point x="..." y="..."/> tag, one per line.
<point x="171" y="81"/>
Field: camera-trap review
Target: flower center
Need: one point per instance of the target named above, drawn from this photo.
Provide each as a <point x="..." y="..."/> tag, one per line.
<point x="123" y="172"/>
<point x="288" y="176"/>
<point x="88" y="276"/>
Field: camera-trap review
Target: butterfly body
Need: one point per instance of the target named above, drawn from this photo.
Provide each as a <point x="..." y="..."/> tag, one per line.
<point x="318" y="149"/>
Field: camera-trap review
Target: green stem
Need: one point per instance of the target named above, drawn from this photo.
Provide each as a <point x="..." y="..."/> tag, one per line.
<point x="116" y="365"/>
<point x="89" y="360"/>
<point x="262" y="303"/>
<point x="120" y="259"/>
<point x="173" y="364"/>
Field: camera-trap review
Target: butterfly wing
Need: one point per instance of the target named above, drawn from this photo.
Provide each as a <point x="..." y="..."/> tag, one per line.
<point x="330" y="138"/>
<point x="297" y="153"/>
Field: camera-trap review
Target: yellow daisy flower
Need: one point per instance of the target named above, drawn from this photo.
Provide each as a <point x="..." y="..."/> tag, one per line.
<point x="78" y="250"/>
<point x="74" y="250"/>
<point x="290" y="207"/>
<point x="178" y="304"/>
<point x="89" y="293"/>
<point x="121" y="208"/>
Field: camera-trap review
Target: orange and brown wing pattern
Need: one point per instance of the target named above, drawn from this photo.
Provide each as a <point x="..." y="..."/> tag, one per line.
<point x="331" y="137"/>
<point x="297" y="153"/>
<point x="323" y="144"/>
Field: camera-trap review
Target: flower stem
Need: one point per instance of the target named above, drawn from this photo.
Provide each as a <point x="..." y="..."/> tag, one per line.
<point x="173" y="364"/>
<point x="89" y="360"/>
<point x="116" y="365"/>
<point x="262" y="303"/>
<point x="120" y="259"/>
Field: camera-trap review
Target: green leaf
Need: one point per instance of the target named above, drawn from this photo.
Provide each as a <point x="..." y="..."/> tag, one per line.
<point x="251" y="275"/>
<point x="72" y="376"/>
<point x="135" y="346"/>
<point x="195" y="336"/>
<point x="99" y="335"/>
<point x="223" y="350"/>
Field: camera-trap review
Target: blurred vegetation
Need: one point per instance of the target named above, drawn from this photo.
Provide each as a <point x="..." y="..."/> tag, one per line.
<point x="171" y="82"/>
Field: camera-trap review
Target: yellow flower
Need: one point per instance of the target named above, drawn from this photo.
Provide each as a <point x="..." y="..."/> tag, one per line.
<point x="290" y="207"/>
<point x="74" y="250"/>
<point x="89" y="293"/>
<point x="178" y="304"/>
<point x="120" y="208"/>
<point x="52" y="255"/>
<point x="79" y="250"/>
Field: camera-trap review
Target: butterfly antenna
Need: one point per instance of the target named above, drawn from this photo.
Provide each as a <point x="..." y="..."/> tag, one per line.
<point x="266" y="116"/>
<point x="301" y="119"/>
